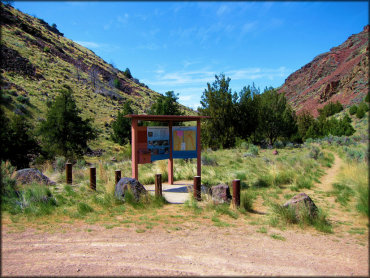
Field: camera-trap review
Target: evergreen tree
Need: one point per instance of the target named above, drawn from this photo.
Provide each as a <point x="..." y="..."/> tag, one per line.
<point x="18" y="144"/>
<point x="275" y="116"/>
<point x="64" y="132"/>
<point x="304" y="121"/>
<point x="165" y="105"/>
<point x="122" y="126"/>
<point x="22" y="142"/>
<point x="127" y="73"/>
<point x="219" y="103"/>
<point x="247" y="113"/>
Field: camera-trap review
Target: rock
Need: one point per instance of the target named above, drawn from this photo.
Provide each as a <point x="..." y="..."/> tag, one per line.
<point x="113" y="159"/>
<point x="30" y="175"/>
<point x="249" y="155"/>
<point x="301" y="200"/>
<point x="98" y="152"/>
<point x="275" y="152"/>
<point x="220" y="194"/>
<point x="132" y="184"/>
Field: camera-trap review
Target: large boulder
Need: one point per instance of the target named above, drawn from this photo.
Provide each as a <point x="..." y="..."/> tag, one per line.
<point x="30" y="175"/>
<point x="132" y="184"/>
<point x="220" y="194"/>
<point x="300" y="202"/>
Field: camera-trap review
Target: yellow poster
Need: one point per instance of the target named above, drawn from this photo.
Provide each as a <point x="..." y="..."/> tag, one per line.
<point x="184" y="138"/>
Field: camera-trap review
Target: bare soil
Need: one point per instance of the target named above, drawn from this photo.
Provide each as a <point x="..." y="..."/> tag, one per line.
<point x="192" y="246"/>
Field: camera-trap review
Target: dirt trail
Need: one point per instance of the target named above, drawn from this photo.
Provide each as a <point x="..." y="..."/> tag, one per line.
<point x="329" y="178"/>
<point x="196" y="248"/>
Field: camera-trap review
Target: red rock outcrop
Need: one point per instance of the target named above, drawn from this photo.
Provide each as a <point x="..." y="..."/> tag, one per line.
<point x="342" y="74"/>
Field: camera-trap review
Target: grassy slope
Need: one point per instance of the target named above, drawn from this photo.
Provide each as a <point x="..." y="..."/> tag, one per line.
<point x="57" y="71"/>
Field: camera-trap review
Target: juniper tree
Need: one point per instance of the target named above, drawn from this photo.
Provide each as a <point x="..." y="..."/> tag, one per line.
<point x="64" y="132"/>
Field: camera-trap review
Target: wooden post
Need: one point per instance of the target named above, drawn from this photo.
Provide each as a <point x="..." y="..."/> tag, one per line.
<point x="199" y="159"/>
<point x="236" y="193"/>
<point x="170" y="160"/>
<point x="93" y="178"/>
<point x="69" y="173"/>
<point x="196" y="188"/>
<point x="134" y="159"/>
<point x="117" y="176"/>
<point x="158" y="185"/>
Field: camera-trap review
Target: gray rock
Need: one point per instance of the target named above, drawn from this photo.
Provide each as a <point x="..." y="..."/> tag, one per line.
<point x="132" y="184"/>
<point x="220" y="194"/>
<point x="30" y="175"/>
<point x="302" y="201"/>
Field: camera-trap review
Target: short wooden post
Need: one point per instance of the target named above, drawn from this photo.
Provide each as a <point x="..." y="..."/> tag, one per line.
<point x="236" y="193"/>
<point x="196" y="188"/>
<point x="117" y="176"/>
<point x="69" y="173"/>
<point x="158" y="185"/>
<point x="93" y="178"/>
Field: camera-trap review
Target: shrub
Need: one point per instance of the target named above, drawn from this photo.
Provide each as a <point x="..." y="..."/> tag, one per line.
<point x="353" y="109"/>
<point x="60" y="163"/>
<point x="46" y="49"/>
<point x="315" y="152"/>
<point x="330" y="109"/>
<point x="360" y="113"/>
<point x="208" y="160"/>
<point x="23" y="99"/>
<point x="363" y="106"/>
<point x="278" y="145"/>
<point x="253" y="149"/>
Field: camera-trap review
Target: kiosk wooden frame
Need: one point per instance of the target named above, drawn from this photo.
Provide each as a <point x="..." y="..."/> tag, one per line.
<point x="161" y="118"/>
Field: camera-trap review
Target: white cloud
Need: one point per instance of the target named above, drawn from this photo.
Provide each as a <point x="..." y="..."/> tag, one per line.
<point x="123" y="19"/>
<point x="222" y="10"/>
<point x="257" y="73"/>
<point x="185" y="98"/>
<point x="89" y="44"/>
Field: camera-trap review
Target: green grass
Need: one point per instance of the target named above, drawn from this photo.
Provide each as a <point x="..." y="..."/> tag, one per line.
<point x="342" y="193"/>
<point x="278" y="237"/>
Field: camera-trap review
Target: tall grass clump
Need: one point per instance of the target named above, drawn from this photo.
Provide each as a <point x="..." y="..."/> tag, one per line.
<point x="8" y="184"/>
<point x="37" y="200"/>
<point x="247" y="198"/>
<point x="192" y="204"/>
<point x="342" y="192"/>
<point x="355" y="176"/>
<point x="146" y="201"/>
<point x="282" y="216"/>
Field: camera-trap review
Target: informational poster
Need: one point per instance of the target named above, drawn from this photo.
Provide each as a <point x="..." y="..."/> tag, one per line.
<point x="158" y="142"/>
<point x="184" y="141"/>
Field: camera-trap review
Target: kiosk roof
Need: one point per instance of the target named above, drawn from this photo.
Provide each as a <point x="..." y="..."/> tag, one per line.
<point x="166" y="118"/>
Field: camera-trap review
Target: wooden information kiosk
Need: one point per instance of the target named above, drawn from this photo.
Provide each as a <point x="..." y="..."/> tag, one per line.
<point x="157" y="143"/>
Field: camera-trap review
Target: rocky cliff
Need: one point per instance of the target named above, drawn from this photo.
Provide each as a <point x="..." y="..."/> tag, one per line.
<point x="342" y="74"/>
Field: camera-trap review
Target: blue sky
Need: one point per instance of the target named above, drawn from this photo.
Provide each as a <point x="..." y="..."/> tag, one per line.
<point x="181" y="46"/>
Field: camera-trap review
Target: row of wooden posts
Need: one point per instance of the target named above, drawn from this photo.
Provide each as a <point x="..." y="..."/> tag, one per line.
<point x="158" y="183"/>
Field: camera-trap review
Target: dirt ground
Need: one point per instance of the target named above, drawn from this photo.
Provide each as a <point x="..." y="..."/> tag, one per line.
<point x="192" y="248"/>
<point x="207" y="250"/>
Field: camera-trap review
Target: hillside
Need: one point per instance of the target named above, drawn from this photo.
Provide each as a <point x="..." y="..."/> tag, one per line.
<point x="338" y="75"/>
<point x="36" y="60"/>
